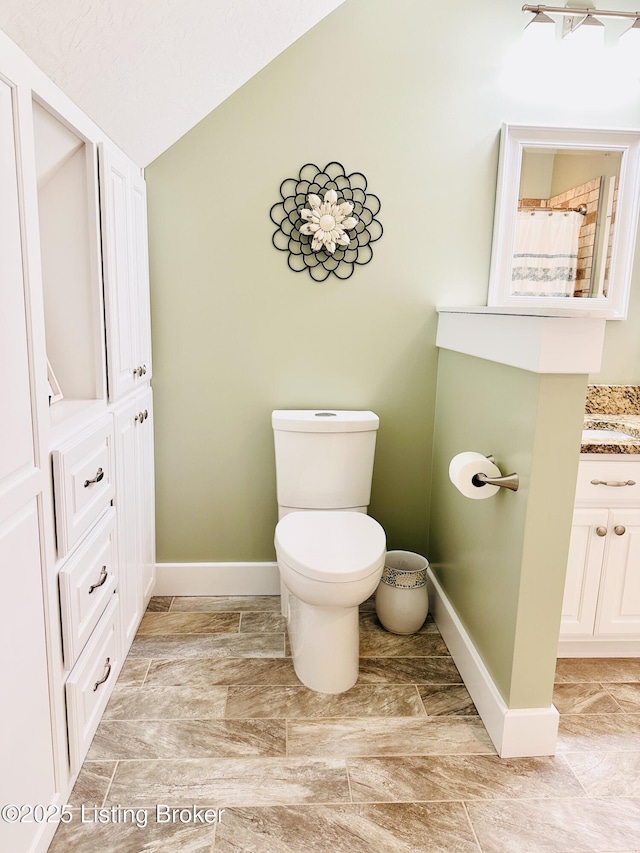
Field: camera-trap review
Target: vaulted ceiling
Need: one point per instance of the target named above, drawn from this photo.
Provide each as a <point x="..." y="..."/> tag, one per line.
<point x="147" y="71"/>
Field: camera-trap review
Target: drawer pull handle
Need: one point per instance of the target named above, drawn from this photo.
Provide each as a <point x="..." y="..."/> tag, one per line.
<point x="107" y="664"/>
<point x="619" y="530"/>
<point x="613" y="483"/>
<point x="601" y="531"/>
<point x="96" y="479"/>
<point x="103" y="579"/>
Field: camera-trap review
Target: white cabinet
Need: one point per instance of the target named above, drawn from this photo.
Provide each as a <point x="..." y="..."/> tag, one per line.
<point x="126" y="272"/>
<point x="27" y="773"/>
<point x="619" y="612"/>
<point x="584" y="568"/>
<point x="89" y="685"/>
<point x="601" y="606"/>
<point x="88" y="579"/>
<point x="74" y="493"/>
<point x="146" y="495"/>
<point x="83" y="473"/>
<point x="135" y="507"/>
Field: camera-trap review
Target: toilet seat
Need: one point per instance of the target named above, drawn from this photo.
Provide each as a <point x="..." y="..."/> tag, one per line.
<point x="333" y="546"/>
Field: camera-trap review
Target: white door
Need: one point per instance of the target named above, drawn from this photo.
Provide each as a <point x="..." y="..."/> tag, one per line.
<point x="26" y="749"/>
<point x="589" y="535"/>
<point x="619" y="611"/>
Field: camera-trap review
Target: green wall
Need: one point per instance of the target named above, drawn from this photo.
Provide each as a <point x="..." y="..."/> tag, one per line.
<point x="413" y="95"/>
<point x="502" y="561"/>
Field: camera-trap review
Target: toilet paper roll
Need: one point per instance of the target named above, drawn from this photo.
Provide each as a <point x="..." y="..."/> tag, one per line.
<point x="465" y="466"/>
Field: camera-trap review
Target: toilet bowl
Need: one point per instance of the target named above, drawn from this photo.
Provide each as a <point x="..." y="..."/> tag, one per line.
<point x="330" y="561"/>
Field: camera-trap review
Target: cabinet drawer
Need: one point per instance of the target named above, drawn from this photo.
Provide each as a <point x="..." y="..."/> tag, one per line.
<point x="83" y="482"/>
<point x="89" y="684"/>
<point x="87" y="582"/>
<point x="612" y="472"/>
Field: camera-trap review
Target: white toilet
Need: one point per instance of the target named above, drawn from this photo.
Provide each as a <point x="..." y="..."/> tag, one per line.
<point x="330" y="552"/>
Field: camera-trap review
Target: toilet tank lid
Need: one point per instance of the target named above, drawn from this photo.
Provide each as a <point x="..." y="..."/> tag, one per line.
<point x="324" y="420"/>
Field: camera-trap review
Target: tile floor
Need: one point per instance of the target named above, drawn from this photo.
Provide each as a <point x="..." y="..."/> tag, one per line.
<point x="208" y="714"/>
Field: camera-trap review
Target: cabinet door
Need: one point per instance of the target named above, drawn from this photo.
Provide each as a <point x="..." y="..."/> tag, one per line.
<point x="119" y="295"/>
<point x="126" y="276"/>
<point x="584" y="568"/>
<point x="127" y="505"/>
<point x="619" y="610"/>
<point x="146" y="492"/>
<point x="135" y="502"/>
<point x="140" y="248"/>
<point x="26" y="749"/>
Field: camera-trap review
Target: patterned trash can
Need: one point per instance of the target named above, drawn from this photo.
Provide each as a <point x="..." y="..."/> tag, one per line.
<point x="402" y="601"/>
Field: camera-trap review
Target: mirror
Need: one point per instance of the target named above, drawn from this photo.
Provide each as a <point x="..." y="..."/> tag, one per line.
<point x="566" y="218"/>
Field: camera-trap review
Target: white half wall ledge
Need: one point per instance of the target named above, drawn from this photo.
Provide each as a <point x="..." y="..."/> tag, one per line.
<point x="542" y="342"/>
<point x="516" y="733"/>
<point x="212" y="579"/>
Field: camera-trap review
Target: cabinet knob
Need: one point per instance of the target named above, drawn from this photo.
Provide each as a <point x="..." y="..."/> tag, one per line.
<point x="139" y="417"/>
<point x="601" y="531"/>
<point x="619" y="529"/>
<point x="146" y="414"/>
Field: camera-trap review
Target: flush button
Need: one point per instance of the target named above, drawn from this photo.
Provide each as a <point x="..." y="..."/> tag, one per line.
<point x="326" y="414"/>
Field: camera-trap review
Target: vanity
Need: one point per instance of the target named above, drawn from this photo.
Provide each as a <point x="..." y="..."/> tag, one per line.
<point x="601" y="606"/>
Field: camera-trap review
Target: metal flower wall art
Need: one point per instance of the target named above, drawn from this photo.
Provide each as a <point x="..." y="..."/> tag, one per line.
<point x="326" y="221"/>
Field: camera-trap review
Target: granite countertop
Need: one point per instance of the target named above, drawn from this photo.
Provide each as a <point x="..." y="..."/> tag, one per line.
<point x="613" y="407"/>
<point x="625" y="423"/>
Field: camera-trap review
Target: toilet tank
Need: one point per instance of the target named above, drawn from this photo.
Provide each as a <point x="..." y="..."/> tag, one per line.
<point x="324" y="458"/>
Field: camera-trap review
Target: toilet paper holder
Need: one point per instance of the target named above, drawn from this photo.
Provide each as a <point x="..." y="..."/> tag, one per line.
<point x="509" y="481"/>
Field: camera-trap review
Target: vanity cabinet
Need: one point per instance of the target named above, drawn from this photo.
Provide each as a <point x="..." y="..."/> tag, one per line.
<point x="601" y="606"/>
<point x="76" y="498"/>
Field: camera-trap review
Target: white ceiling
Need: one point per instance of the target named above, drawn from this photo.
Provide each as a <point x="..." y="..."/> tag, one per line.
<point x="147" y="71"/>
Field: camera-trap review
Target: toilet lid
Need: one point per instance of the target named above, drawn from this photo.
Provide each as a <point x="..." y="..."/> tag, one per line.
<point x="331" y="546"/>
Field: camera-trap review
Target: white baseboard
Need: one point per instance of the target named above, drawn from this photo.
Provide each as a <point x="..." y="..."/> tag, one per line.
<point x="599" y="649"/>
<point x="520" y="732"/>
<point x="217" y="579"/>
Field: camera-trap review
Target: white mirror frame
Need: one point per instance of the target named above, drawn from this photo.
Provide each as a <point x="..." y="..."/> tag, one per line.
<point x="514" y="139"/>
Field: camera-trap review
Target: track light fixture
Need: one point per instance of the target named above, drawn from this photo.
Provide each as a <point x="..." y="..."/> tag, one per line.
<point x="579" y="16"/>
<point x="633" y="30"/>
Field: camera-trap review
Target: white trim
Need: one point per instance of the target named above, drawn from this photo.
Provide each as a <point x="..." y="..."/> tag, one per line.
<point x="520" y="732"/>
<point x="599" y="648"/>
<point x="540" y="344"/>
<point x="217" y="579"/>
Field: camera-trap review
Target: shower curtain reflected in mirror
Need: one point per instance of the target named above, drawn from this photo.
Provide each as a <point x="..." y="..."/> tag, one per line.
<point x="545" y="257"/>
